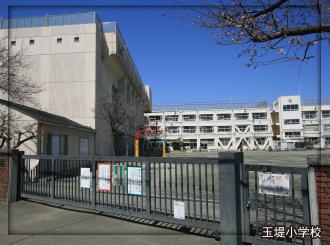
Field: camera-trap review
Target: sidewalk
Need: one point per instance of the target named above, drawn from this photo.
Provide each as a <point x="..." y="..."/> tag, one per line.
<point x="33" y="223"/>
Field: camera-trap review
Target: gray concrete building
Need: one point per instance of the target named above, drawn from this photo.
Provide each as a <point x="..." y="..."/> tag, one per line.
<point x="77" y="60"/>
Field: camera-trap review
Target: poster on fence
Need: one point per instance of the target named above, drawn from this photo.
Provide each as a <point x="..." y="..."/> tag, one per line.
<point x="104" y="176"/>
<point x="274" y="184"/>
<point x="134" y="180"/>
<point x="178" y="210"/>
<point x="85" y="177"/>
<point x="118" y="175"/>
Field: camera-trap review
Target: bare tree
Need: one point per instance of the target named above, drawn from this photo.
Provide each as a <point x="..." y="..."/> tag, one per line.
<point x="122" y="117"/>
<point x="15" y="86"/>
<point x="285" y="29"/>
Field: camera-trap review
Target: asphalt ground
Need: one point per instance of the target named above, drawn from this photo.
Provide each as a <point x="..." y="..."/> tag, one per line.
<point x="34" y="223"/>
<point x="278" y="158"/>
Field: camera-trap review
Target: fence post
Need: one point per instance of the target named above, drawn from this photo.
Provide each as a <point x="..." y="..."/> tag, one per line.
<point x="52" y="182"/>
<point x="147" y="187"/>
<point x="230" y="196"/>
<point x="93" y="183"/>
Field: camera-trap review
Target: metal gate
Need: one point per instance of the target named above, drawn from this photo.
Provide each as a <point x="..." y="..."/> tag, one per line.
<point x="193" y="181"/>
<point x="272" y="218"/>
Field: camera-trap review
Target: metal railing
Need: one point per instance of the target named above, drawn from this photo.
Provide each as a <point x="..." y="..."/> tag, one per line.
<point x="208" y="105"/>
<point x="193" y="181"/>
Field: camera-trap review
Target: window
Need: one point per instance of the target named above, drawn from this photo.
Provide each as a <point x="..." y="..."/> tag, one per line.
<point x="224" y="116"/>
<point x="190" y="143"/>
<point x="327" y="141"/>
<point x="242" y="116"/>
<point x="291" y="121"/>
<point x="313" y="127"/>
<point x="206" y="117"/>
<point x="189" y="129"/>
<point x="224" y="128"/>
<point x="31" y="41"/>
<point x="260" y="128"/>
<point x="259" y="116"/>
<point x="207" y="143"/>
<point x="261" y="141"/>
<point x="310" y="114"/>
<point x="153" y="118"/>
<point x="242" y="128"/>
<point x="83" y="146"/>
<point x="206" y="129"/>
<point x="326" y="127"/>
<point x="171" y="117"/>
<point x="224" y="141"/>
<point x="326" y="114"/>
<point x="189" y="117"/>
<point x="13" y="43"/>
<point x="290" y="107"/>
<point x="172" y="129"/>
<point x="292" y="134"/>
<point x="59" y="40"/>
<point x="312" y="140"/>
<point x="76" y="39"/>
<point x="57" y="144"/>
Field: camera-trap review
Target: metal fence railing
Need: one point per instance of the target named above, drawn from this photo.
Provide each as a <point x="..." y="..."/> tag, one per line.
<point x="192" y="181"/>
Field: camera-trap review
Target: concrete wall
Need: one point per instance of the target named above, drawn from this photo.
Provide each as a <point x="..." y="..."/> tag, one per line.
<point x="65" y="70"/>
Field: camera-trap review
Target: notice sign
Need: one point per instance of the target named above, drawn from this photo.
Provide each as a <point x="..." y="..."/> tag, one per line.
<point x="274" y="184"/>
<point x="134" y="180"/>
<point x="85" y="177"/>
<point x="178" y="210"/>
<point x="118" y="175"/>
<point x="104" y="176"/>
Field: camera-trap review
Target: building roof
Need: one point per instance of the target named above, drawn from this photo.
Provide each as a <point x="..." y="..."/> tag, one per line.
<point x="44" y="117"/>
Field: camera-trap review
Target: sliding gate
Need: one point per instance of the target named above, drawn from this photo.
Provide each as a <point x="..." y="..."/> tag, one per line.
<point x="182" y="191"/>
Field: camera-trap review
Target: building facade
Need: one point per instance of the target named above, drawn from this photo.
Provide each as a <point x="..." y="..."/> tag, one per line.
<point x="77" y="60"/>
<point x="255" y="126"/>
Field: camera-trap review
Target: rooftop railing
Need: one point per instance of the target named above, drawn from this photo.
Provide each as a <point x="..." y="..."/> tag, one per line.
<point x="208" y="105"/>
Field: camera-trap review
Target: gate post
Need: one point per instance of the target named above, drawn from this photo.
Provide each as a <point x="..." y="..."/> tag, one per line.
<point x="52" y="182"/>
<point x="230" y="176"/>
<point x="93" y="184"/>
<point x="147" y="187"/>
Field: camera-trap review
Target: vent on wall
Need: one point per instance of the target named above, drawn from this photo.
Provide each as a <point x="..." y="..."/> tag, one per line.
<point x="59" y="40"/>
<point x="76" y="39"/>
<point x="31" y="41"/>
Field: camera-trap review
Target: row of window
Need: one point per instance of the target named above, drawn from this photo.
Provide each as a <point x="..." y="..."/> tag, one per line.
<point x="32" y="41"/>
<point x="210" y="129"/>
<point x="208" y="117"/>
<point x="238" y="116"/>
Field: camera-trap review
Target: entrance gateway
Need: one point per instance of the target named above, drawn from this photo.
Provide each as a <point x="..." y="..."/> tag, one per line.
<point x="216" y="194"/>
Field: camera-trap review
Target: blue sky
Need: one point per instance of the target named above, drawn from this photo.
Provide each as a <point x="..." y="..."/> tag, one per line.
<point x="181" y="62"/>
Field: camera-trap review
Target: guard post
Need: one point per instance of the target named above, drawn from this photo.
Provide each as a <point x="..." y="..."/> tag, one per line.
<point x="230" y="188"/>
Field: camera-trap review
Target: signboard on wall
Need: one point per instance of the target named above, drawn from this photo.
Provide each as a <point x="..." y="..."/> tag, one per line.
<point x="134" y="180"/>
<point x="274" y="184"/>
<point x="104" y="176"/>
<point x="85" y="177"/>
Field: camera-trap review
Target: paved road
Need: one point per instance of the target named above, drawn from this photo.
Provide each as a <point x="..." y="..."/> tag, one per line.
<point x="33" y="223"/>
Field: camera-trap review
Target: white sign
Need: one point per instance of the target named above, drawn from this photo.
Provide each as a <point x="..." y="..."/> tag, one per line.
<point x="274" y="184"/>
<point x="134" y="180"/>
<point x="104" y="177"/>
<point x="178" y="210"/>
<point x="85" y="177"/>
